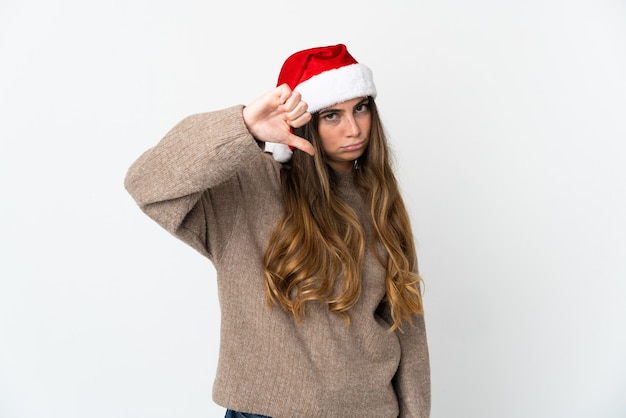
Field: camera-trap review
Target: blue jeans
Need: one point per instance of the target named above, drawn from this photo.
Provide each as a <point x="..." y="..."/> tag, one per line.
<point x="234" y="414"/>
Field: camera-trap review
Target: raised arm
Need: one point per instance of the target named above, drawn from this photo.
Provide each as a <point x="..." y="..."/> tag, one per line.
<point x="171" y="182"/>
<point x="199" y="153"/>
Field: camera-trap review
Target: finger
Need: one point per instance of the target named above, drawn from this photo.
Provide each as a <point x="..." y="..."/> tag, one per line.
<point x="299" y="110"/>
<point x="301" y="120"/>
<point x="292" y="101"/>
<point x="284" y="93"/>
<point x="301" y="144"/>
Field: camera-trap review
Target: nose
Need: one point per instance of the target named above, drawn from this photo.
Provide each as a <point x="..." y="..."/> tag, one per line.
<point x="353" y="129"/>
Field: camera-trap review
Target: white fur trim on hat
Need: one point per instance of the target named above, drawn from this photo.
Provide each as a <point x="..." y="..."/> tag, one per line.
<point x="336" y="86"/>
<point x="282" y="153"/>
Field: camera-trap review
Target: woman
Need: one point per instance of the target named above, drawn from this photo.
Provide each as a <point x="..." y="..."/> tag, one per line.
<point x="316" y="267"/>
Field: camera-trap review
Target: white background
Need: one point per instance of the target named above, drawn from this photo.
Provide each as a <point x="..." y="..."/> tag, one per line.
<point x="508" y="120"/>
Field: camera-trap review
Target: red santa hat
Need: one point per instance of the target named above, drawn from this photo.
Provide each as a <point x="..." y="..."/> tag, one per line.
<point x="324" y="76"/>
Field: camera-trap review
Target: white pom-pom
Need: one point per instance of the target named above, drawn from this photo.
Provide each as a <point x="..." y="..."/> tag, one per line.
<point x="281" y="152"/>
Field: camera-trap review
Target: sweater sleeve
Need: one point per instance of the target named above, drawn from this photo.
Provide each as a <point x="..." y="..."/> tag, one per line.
<point x="412" y="379"/>
<point x="171" y="182"/>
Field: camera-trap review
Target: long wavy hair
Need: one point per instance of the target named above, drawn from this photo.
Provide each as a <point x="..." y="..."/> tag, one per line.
<point x="316" y="251"/>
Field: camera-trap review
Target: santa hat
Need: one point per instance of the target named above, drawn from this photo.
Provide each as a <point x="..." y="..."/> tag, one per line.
<point x="324" y="76"/>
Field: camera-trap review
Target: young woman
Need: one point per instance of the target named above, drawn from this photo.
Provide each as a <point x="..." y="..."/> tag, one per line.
<point x="316" y="265"/>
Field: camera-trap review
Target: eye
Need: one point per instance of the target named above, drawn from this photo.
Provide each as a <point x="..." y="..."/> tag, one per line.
<point x="362" y="107"/>
<point x="329" y="116"/>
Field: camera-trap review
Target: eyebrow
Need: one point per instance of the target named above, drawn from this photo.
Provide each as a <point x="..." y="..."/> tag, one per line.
<point x="331" y="110"/>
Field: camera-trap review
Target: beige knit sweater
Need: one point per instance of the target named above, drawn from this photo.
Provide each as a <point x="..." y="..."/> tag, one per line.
<point x="209" y="183"/>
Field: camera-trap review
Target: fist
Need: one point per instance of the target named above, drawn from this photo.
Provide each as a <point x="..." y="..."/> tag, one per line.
<point x="271" y="117"/>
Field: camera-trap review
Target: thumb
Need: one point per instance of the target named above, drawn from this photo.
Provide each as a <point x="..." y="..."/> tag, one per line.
<point x="302" y="144"/>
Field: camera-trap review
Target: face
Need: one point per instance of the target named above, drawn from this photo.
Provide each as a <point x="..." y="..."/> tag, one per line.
<point x="344" y="131"/>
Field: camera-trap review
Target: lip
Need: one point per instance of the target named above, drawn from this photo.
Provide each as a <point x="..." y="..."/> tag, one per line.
<point x="354" y="147"/>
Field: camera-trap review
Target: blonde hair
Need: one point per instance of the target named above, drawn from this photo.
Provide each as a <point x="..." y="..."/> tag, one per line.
<point x="319" y="245"/>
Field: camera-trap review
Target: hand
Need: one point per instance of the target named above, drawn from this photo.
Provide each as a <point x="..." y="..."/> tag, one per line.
<point x="271" y="117"/>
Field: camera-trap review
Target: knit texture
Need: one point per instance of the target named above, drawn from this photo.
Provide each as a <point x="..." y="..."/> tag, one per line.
<point x="209" y="183"/>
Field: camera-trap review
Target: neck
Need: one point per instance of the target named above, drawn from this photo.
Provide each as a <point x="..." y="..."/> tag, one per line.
<point x="344" y="166"/>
